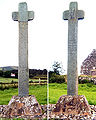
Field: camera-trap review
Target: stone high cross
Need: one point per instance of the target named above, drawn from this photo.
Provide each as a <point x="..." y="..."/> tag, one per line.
<point x="72" y="15"/>
<point x="23" y="16"/>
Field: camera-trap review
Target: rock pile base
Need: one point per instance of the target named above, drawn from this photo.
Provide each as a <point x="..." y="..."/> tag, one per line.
<point x="67" y="108"/>
<point x="21" y="106"/>
<point x="72" y="105"/>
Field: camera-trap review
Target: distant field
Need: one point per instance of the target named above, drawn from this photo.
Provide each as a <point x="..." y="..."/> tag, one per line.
<point x="9" y="80"/>
<point x="56" y="90"/>
<point x="40" y="92"/>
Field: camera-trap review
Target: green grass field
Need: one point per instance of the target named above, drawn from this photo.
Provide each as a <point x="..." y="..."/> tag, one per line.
<point x="57" y="90"/>
<point x="39" y="91"/>
<point x="9" y="80"/>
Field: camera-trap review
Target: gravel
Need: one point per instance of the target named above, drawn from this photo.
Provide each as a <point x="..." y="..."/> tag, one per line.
<point x="61" y="116"/>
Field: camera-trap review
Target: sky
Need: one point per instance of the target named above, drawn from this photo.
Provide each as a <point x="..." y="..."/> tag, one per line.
<point x="48" y="33"/>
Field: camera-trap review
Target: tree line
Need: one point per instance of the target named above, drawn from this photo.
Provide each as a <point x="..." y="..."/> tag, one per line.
<point x="32" y="73"/>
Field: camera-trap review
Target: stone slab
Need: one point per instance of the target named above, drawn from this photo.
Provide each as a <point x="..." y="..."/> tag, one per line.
<point x="72" y="105"/>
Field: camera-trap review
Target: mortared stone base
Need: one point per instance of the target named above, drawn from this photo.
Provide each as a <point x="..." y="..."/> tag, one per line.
<point x="72" y="105"/>
<point x="22" y="106"/>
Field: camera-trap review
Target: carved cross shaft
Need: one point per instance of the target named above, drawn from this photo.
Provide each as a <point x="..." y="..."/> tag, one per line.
<point x="23" y="16"/>
<point x="72" y="15"/>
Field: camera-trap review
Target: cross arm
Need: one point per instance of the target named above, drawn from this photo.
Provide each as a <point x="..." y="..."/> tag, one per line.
<point x="23" y="15"/>
<point x="30" y="15"/>
<point x="66" y="15"/>
<point x="80" y="15"/>
<point x="15" y="16"/>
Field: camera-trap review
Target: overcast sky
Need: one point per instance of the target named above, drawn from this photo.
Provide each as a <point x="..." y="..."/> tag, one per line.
<point x="48" y="32"/>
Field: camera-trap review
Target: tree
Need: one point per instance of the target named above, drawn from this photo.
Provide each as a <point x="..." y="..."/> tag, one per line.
<point x="1" y="73"/>
<point x="54" y="75"/>
<point x="7" y="74"/>
<point x="57" y="68"/>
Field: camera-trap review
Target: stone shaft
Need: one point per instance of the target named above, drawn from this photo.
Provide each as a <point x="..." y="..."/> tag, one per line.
<point x="72" y="81"/>
<point x="72" y="15"/>
<point x="23" y="16"/>
<point x="23" y="71"/>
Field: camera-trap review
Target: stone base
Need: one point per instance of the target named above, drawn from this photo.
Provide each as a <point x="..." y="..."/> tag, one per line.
<point x="72" y="105"/>
<point x="22" y="106"/>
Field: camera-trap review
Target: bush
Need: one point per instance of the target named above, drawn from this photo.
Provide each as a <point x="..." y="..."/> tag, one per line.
<point x="56" y="78"/>
<point x="7" y="86"/>
<point x="90" y="84"/>
<point x="7" y="74"/>
<point x="31" y="81"/>
<point x="52" y="79"/>
<point x="84" y="81"/>
<point x="1" y="73"/>
<point x="13" y="82"/>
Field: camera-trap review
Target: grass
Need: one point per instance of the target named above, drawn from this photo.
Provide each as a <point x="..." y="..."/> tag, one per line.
<point x="9" y="80"/>
<point x="57" y="90"/>
<point x="39" y="91"/>
<point x="12" y="119"/>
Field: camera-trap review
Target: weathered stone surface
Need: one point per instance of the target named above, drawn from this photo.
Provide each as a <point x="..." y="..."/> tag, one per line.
<point x="23" y="71"/>
<point x="72" y="15"/>
<point x="72" y="105"/>
<point x="23" y="16"/>
<point x="72" y="117"/>
<point x="88" y="66"/>
<point x="21" y="106"/>
<point x="50" y="109"/>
